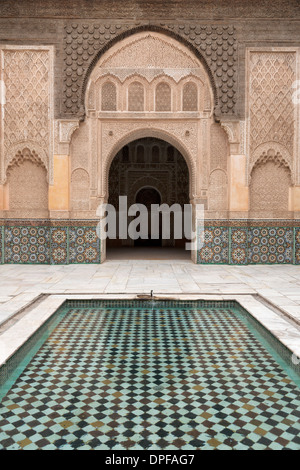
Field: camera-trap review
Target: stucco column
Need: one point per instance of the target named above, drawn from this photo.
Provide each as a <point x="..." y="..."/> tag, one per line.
<point x="59" y="192"/>
<point x="1" y="197"/>
<point x="4" y="200"/>
<point x="294" y="199"/>
<point x="238" y="191"/>
<point x="197" y="227"/>
<point x="237" y="168"/>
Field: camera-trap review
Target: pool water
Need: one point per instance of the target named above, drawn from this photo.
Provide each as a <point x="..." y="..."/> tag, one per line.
<point x="150" y="377"/>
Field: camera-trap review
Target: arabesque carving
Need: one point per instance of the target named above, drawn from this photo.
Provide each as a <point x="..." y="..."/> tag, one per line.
<point x="215" y="45"/>
<point x="27" y="74"/>
<point x="271" y="107"/>
<point x="117" y="134"/>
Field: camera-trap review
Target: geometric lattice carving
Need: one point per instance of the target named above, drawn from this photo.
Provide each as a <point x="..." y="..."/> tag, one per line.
<point x="135" y="97"/>
<point x="272" y="112"/>
<point x="80" y="189"/>
<point x="219" y="148"/>
<point x="269" y="185"/>
<point x="190" y="97"/>
<point x="27" y="183"/>
<point x="27" y="118"/>
<point x="217" y="191"/>
<point x="109" y="97"/>
<point x="163" y="97"/>
<point x="271" y="156"/>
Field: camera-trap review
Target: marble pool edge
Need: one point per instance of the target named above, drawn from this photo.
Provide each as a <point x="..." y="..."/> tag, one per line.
<point x="18" y="333"/>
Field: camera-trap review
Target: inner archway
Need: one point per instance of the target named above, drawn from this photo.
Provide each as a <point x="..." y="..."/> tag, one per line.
<point x="150" y="171"/>
<point x="147" y="197"/>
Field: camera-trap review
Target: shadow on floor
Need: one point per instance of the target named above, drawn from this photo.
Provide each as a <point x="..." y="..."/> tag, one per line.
<point x="150" y="253"/>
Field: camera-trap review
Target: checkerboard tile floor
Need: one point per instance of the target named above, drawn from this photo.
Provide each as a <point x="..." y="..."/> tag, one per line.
<point x="153" y="379"/>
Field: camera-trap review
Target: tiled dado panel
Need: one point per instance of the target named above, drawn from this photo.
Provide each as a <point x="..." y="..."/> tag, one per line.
<point x="238" y="252"/>
<point x="26" y="245"/>
<point x="270" y="245"/>
<point x="248" y="242"/>
<point x="76" y="242"/>
<point x="297" y="246"/>
<point x="44" y="242"/>
<point x="84" y="245"/>
<point x="215" y="243"/>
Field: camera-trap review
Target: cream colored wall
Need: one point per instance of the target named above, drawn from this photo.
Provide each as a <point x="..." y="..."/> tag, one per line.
<point x="295" y="199"/>
<point x="238" y="190"/>
<point x="59" y="192"/>
<point x="3" y="198"/>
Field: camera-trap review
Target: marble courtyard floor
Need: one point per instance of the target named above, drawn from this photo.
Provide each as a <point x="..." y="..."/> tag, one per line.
<point x="258" y="409"/>
<point x="270" y="293"/>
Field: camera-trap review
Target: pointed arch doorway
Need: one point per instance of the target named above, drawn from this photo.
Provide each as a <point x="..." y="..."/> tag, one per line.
<point x="149" y="171"/>
<point x="146" y="86"/>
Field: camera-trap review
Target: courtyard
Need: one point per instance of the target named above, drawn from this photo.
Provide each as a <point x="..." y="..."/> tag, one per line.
<point x="269" y="293"/>
<point x="107" y="378"/>
<point x="127" y="130"/>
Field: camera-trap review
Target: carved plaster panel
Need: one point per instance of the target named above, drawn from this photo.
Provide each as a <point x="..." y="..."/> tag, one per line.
<point x="27" y="73"/>
<point x="149" y="50"/>
<point x="215" y="46"/>
<point x="116" y="134"/>
<point x="272" y="114"/>
<point x="268" y="152"/>
<point x="66" y="129"/>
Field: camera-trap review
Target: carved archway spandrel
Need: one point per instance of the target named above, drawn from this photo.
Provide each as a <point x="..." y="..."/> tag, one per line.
<point x="115" y="135"/>
<point x="98" y="38"/>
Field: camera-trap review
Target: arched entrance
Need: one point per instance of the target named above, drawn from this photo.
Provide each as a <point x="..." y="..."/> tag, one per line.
<point x="151" y="172"/>
<point x="148" y="86"/>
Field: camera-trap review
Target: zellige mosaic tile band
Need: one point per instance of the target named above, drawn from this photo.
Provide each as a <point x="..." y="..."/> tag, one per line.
<point x="42" y="242"/>
<point x="235" y="242"/>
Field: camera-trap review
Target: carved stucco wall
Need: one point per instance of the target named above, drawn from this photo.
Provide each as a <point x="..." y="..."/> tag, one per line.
<point x="27" y="104"/>
<point x="269" y="187"/>
<point x="218" y="191"/>
<point x="117" y="114"/>
<point x="80" y="187"/>
<point x="27" y="185"/>
<point x="27" y="75"/>
<point x="272" y="127"/>
<point x="215" y="46"/>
